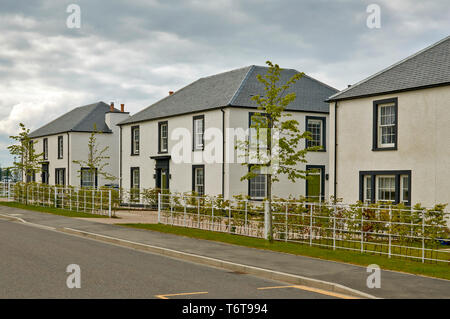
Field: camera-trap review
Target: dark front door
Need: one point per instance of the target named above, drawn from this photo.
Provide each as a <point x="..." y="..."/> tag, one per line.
<point x="44" y="173"/>
<point x="162" y="173"/>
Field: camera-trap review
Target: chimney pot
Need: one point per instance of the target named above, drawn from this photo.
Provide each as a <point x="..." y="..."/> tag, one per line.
<point x="170" y="92"/>
<point x="111" y="108"/>
<point x="122" y="107"/>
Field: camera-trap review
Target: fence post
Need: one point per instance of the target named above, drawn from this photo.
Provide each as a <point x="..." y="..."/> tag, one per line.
<point x="159" y="208"/>
<point x="229" y="219"/>
<point x="286" y="224"/>
<point x="93" y="199"/>
<point x="9" y="191"/>
<point x="246" y="227"/>
<point x="101" y="202"/>
<point x="56" y="204"/>
<point x="423" y="236"/>
<point x="362" y="229"/>
<point x="198" y="212"/>
<point x="70" y="198"/>
<point x="266" y="220"/>
<point x="310" y="224"/>
<point x="390" y="230"/>
<point x="171" y="209"/>
<point x="212" y="217"/>
<point x="78" y="199"/>
<point x="334" y="228"/>
<point x="109" y="204"/>
<point x="184" y="211"/>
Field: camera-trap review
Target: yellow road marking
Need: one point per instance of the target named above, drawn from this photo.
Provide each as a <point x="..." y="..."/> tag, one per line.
<point x="316" y="290"/>
<point x="180" y="294"/>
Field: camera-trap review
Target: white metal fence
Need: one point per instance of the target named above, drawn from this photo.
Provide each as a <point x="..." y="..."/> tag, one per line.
<point x="88" y="200"/>
<point x="393" y="231"/>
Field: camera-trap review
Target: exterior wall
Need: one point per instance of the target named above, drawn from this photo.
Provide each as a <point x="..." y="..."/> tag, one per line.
<point x="75" y="147"/>
<point x="423" y="144"/>
<point x="181" y="173"/>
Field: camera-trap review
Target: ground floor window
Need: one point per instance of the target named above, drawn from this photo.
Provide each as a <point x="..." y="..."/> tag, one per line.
<point x="88" y="177"/>
<point x="315" y="182"/>
<point x="135" y="184"/>
<point x="385" y="186"/>
<point x="60" y="175"/>
<point x="257" y="185"/>
<point x="198" y="179"/>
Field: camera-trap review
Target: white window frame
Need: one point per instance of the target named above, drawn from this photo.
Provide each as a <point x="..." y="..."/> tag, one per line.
<point x="367" y="186"/>
<point x="381" y="126"/>
<point x="164" y="139"/>
<point x="91" y="183"/>
<point x="252" y="181"/>
<point x="404" y="187"/>
<point x="377" y="188"/>
<point x="45" y="147"/>
<point x="198" y="133"/>
<point x="313" y="142"/>
<point x="197" y="185"/>
<point x="135" y="139"/>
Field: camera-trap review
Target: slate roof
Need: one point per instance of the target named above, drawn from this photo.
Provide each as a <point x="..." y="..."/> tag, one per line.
<point x="234" y="88"/>
<point x="80" y="119"/>
<point x="428" y="67"/>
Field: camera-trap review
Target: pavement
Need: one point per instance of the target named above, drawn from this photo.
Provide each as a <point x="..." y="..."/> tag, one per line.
<point x="393" y="284"/>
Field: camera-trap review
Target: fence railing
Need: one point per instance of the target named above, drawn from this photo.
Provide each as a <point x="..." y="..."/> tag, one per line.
<point x="392" y="231"/>
<point x="79" y="199"/>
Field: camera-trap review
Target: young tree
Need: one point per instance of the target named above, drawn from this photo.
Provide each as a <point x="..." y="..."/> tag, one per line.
<point x="29" y="160"/>
<point x="97" y="160"/>
<point x="275" y="151"/>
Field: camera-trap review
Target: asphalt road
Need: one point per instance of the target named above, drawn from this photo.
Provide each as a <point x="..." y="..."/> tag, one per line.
<point x="33" y="264"/>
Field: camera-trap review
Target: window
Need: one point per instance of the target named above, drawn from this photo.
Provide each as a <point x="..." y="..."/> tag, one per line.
<point x="135" y="184"/>
<point x="385" y="186"/>
<point x="198" y="130"/>
<point x="385" y="113"/>
<point x="315" y="182"/>
<point x="316" y="126"/>
<point x="45" y="148"/>
<point x="135" y="140"/>
<point x="60" y="147"/>
<point x="198" y="179"/>
<point x="258" y="138"/>
<point x="60" y="176"/>
<point x="163" y="140"/>
<point x="88" y="177"/>
<point x="257" y="185"/>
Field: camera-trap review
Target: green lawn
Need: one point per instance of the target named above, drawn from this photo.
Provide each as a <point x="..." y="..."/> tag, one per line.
<point x="434" y="270"/>
<point x="52" y="210"/>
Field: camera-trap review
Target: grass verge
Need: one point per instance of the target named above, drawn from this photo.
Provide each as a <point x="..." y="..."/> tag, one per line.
<point x="52" y="210"/>
<point x="402" y="265"/>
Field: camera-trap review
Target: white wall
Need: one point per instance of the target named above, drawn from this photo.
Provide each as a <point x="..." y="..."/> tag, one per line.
<point x="181" y="174"/>
<point x="423" y="144"/>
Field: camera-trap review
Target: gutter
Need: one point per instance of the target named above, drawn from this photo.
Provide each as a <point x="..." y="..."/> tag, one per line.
<point x="335" y="149"/>
<point x="223" y="153"/>
<point x="120" y="158"/>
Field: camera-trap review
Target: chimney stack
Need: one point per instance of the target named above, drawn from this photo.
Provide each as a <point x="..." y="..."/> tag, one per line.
<point x="122" y="107"/>
<point x="111" y="108"/>
<point x="170" y="92"/>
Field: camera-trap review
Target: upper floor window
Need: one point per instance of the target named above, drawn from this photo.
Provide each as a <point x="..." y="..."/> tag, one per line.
<point x="163" y="137"/>
<point x="45" y="148"/>
<point x="259" y="136"/>
<point x="316" y="127"/>
<point x="385" y="125"/>
<point x="60" y="147"/>
<point x="198" y="130"/>
<point x="135" y="140"/>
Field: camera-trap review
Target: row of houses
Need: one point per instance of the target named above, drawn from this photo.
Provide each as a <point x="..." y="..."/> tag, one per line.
<point x="386" y="138"/>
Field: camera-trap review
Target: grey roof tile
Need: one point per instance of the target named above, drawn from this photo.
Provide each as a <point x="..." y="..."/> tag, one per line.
<point x="80" y="119"/>
<point x="428" y="67"/>
<point x="234" y="88"/>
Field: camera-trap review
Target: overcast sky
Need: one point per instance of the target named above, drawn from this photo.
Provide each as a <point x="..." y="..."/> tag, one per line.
<point x="135" y="51"/>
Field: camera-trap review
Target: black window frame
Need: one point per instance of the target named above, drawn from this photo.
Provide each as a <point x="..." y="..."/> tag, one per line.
<point x="322" y="180"/>
<point x="160" y="124"/>
<point x="45" y="148"/>
<point x="396" y="173"/>
<point x="60" y="147"/>
<point x="133" y="150"/>
<point x="135" y="192"/>
<point x="376" y="104"/>
<point x="63" y="176"/>
<point x="324" y="131"/>
<point x="81" y="177"/>
<point x="194" y="146"/>
<point x="194" y="167"/>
